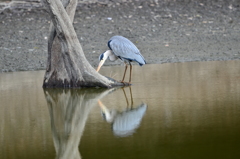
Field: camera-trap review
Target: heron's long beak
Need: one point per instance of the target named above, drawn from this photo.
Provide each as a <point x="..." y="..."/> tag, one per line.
<point x="100" y="64"/>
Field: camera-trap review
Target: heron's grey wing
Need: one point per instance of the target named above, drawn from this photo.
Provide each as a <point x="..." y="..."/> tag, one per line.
<point x="124" y="48"/>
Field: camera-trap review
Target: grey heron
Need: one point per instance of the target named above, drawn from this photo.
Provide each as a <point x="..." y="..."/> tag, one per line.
<point x="123" y="49"/>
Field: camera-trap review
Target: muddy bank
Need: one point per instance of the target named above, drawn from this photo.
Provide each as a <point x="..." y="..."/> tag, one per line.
<point x="164" y="31"/>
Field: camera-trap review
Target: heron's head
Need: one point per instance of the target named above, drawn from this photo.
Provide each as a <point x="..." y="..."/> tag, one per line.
<point x="102" y="58"/>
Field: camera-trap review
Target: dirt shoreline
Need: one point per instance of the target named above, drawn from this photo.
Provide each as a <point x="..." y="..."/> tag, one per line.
<point x="164" y="31"/>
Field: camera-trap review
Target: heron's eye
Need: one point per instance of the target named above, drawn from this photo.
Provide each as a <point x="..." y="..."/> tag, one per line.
<point x="101" y="57"/>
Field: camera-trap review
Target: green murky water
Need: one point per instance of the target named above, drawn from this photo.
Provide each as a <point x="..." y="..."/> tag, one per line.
<point x="180" y="110"/>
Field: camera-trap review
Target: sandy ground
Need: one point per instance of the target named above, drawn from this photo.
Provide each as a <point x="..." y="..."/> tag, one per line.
<point x="164" y="31"/>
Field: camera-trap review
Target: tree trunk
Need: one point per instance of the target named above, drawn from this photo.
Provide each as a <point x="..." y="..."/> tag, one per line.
<point x="67" y="65"/>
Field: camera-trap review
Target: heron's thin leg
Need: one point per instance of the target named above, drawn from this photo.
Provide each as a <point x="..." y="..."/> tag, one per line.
<point x="131" y="96"/>
<point x="130" y="77"/>
<point x="125" y="96"/>
<point x="124" y="72"/>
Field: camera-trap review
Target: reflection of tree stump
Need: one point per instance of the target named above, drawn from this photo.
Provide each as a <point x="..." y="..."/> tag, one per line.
<point x="67" y="65"/>
<point x="69" y="110"/>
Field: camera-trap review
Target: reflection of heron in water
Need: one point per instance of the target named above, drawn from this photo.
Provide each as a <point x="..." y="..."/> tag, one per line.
<point x="126" y="122"/>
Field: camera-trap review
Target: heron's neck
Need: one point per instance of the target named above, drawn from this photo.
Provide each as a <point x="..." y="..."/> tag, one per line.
<point x="111" y="55"/>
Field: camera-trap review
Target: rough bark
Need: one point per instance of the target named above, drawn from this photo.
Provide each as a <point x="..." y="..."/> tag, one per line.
<point x="67" y="65"/>
<point x="69" y="109"/>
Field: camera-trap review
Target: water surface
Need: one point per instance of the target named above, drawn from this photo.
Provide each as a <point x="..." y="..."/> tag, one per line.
<point x="193" y="111"/>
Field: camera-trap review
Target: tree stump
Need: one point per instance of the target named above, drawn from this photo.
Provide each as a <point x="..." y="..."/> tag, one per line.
<point x="67" y="66"/>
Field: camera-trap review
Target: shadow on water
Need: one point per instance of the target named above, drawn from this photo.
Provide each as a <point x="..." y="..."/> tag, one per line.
<point x="69" y="110"/>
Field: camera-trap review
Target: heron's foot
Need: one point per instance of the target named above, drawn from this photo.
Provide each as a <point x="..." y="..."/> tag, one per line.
<point x="126" y="83"/>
